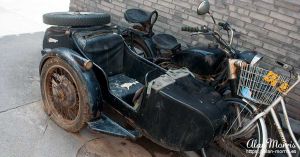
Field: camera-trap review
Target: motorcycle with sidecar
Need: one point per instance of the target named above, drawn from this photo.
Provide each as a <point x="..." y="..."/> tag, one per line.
<point x="210" y="63"/>
<point x="90" y="76"/>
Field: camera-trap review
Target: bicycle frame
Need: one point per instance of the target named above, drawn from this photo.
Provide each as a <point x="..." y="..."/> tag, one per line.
<point x="270" y="109"/>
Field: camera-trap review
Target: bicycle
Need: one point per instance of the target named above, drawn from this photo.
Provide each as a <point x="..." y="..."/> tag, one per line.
<point x="259" y="86"/>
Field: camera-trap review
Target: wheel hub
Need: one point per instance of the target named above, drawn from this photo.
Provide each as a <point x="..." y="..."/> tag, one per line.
<point x="65" y="92"/>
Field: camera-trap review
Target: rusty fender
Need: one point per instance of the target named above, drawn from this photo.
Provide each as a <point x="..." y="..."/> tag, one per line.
<point x="83" y="68"/>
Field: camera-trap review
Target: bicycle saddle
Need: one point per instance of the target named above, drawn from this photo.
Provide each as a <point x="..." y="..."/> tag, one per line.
<point x="137" y="16"/>
<point x="166" y="42"/>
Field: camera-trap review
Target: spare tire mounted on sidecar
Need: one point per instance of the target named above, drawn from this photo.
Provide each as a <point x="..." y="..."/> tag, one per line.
<point x="76" y="19"/>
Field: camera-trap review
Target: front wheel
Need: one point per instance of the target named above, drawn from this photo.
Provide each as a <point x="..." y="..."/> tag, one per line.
<point x="64" y="95"/>
<point x="250" y="142"/>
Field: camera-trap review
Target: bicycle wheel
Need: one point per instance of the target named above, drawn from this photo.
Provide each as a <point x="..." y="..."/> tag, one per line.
<point x="250" y="141"/>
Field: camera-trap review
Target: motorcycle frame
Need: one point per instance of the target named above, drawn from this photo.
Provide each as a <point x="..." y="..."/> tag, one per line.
<point x="270" y="110"/>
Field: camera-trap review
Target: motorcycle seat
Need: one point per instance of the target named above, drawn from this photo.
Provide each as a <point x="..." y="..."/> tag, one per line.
<point x="137" y="16"/>
<point x="166" y="42"/>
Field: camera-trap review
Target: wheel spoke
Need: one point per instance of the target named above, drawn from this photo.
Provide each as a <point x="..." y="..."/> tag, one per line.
<point x="72" y="113"/>
<point x="236" y="119"/>
<point x="59" y="84"/>
<point x="237" y="146"/>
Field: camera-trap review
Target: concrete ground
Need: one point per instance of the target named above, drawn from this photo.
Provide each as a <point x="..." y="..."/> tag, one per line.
<point x="25" y="130"/>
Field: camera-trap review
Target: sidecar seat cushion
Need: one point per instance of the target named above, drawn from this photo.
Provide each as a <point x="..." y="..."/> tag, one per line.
<point x="137" y="16"/>
<point x="124" y="87"/>
<point x="166" y="42"/>
<point x="104" y="49"/>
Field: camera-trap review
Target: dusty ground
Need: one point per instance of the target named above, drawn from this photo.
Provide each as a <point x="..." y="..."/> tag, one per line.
<point x="25" y="131"/>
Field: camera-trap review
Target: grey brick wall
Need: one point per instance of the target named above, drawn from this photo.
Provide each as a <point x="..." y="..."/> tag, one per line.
<point x="272" y="27"/>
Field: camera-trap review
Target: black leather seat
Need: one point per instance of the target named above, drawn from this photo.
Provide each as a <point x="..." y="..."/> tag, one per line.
<point x="109" y="52"/>
<point x="106" y="50"/>
<point x="166" y="42"/>
<point x="137" y="16"/>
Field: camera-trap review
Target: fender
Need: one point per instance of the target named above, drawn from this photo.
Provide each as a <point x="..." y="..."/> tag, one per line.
<point x="144" y="40"/>
<point x="86" y="75"/>
<point x="251" y="57"/>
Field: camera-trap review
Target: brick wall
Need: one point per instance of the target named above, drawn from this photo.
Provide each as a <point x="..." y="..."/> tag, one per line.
<point x="272" y="27"/>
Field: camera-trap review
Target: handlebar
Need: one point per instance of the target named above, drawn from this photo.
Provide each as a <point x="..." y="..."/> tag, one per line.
<point x="197" y="30"/>
<point x="225" y="25"/>
<point x="190" y="29"/>
<point x="207" y="31"/>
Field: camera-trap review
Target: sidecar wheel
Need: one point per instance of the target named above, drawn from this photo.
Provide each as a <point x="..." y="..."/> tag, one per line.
<point x="64" y="96"/>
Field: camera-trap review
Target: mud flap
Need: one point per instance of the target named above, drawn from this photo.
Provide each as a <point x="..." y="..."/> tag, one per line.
<point x="108" y="126"/>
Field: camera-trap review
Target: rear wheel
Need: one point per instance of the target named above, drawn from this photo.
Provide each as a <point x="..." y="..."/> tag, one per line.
<point x="64" y="96"/>
<point x="138" y="47"/>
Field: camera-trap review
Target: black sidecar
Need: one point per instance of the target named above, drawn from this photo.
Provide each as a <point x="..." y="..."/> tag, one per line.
<point x="86" y="71"/>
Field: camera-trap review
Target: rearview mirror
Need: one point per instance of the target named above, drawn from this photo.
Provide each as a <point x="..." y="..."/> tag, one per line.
<point x="203" y="8"/>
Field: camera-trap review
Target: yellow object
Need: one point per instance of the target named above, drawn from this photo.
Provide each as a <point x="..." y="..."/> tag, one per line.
<point x="271" y="78"/>
<point x="283" y="87"/>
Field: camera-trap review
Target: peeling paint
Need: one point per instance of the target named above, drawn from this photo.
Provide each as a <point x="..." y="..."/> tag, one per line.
<point x="128" y="85"/>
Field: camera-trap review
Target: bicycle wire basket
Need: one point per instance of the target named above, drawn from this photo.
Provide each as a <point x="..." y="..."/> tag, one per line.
<point x="260" y="85"/>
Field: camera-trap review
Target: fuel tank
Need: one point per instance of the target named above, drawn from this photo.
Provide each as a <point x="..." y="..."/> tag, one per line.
<point x="183" y="115"/>
<point x="202" y="61"/>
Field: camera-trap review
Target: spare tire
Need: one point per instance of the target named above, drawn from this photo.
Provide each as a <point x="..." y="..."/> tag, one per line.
<point x="76" y="19"/>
